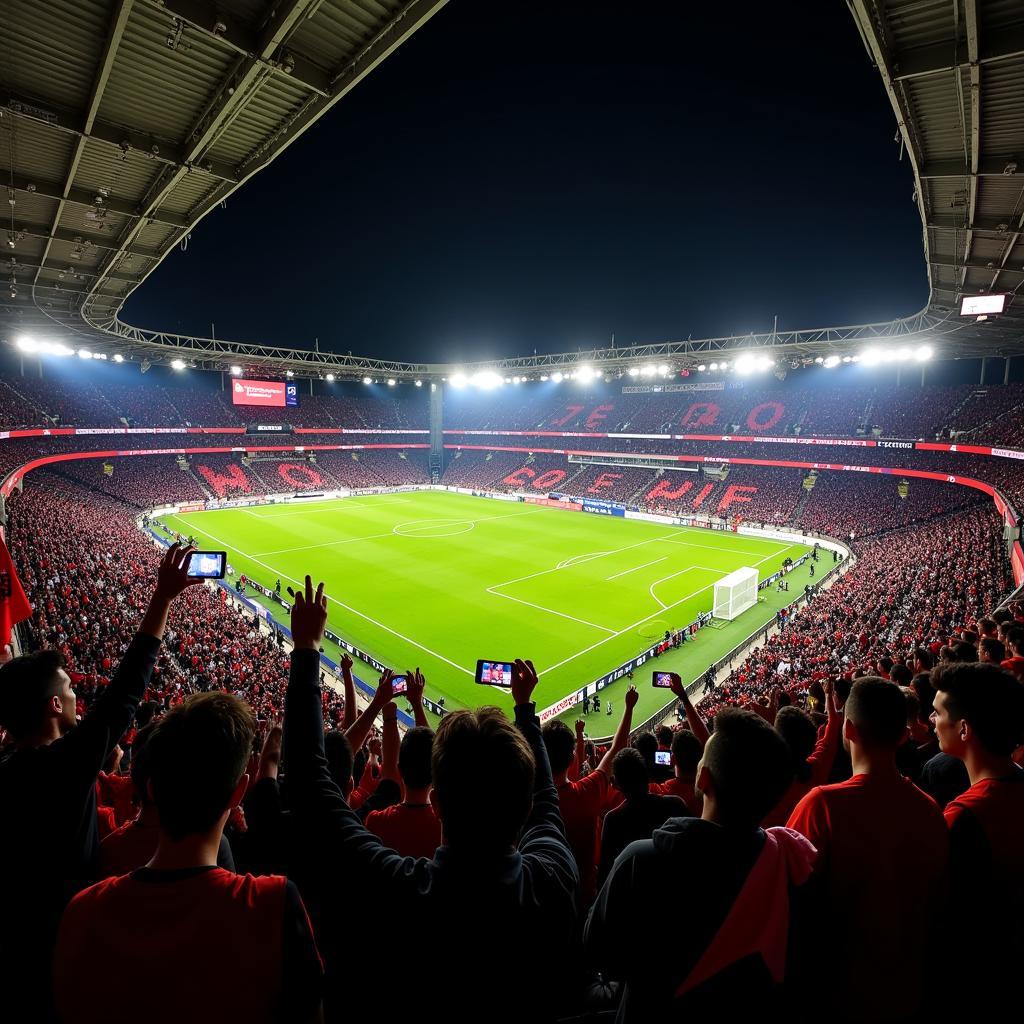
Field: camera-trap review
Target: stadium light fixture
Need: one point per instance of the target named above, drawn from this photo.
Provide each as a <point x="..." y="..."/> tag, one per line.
<point x="289" y="373"/>
<point x="829" y="361"/>
<point x="419" y="383"/>
<point x="27" y="344"/>
<point x="330" y="376"/>
<point x="634" y="371"/>
<point x="487" y="380"/>
<point x="178" y="364"/>
<point x="714" y="366"/>
<point x="557" y="377"/>
<point x="367" y="380"/>
<point x="584" y="373"/>
<point x="517" y="380"/>
<point x="543" y="376"/>
<point x="458" y="380"/>
<point x="701" y="368"/>
<point x="648" y="370"/>
<point x="118" y="358"/>
<point x="391" y="382"/>
<point x="923" y="353"/>
<point x="84" y="353"/>
<point x="663" y="370"/>
<point x="236" y="371"/>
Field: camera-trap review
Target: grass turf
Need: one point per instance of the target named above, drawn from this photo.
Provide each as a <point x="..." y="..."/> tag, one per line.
<point x="438" y="579"/>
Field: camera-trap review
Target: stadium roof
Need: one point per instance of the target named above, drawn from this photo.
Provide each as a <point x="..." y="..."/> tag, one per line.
<point x="128" y="121"/>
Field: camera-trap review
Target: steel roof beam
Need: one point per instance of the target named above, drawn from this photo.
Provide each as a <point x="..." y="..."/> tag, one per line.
<point x="982" y="225"/>
<point x="206" y="18"/>
<point x="973" y="147"/>
<point x="122" y="139"/>
<point x="924" y="61"/>
<point x="81" y="237"/>
<point x="962" y="169"/>
<point x="83" y="197"/>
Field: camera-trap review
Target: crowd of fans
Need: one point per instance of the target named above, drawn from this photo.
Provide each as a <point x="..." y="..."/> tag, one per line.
<point x="205" y="831"/>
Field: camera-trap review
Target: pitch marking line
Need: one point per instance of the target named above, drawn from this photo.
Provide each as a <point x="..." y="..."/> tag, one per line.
<point x="640" y="622"/>
<point x="347" y="607"/>
<point x="550" y="611"/>
<point x="635" y="568"/>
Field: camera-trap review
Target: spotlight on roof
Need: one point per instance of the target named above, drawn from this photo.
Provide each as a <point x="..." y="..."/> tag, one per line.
<point x="236" y="370"/>
<point x="27" y="344"/>
<point x="517" y="380"/>
<point x="367" y="380"/>
<point x="663" y="370"/>
<point x="714" y="366"/>
<point x="923" y="353"/>
<point x="648" y="371"/>
<point x="419" y="383"/>
<point x="289" y="373"/>
<point x="830" y="361"/>
<point x="391" y="382"/>
<point x="701" y="368"/>
<point x="634" y="371"/>
<point x="557" y="377"/>
<point x="84" y="353"/>
<point x="458" y="380"/>
<point x="585" y="373"/>
<point x="330" y="376"/>
<point x="543" y="376"/>
<point x="118" y="358"/>
<point x="487" y="380"/>
<point x="178" y="364"/>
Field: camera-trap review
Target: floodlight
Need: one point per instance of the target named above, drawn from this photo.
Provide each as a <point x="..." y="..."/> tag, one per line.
<point x="391" y="382"/>
<point x="84" y="353"/>
<point x="288" y="373"/>
<point x="487" y="380"/>
<point x="714" y="366"/>
<point x="236" y="370"/>
<point x="634" y="371"/>
<point x="701" y="368"/>
<point x="516" y="380"/>
<point x="367" y="380"/>
<point x="585" y="373"/>
<point x="27" y="344"/>
<point x="923" y="353"/>
<point x="830" y="361"/>
<point x="556" y="377"/>
<point x="663" y="370"/>
<point x="330" y="376"/>
<point x="543" y="376"/>
<point x="458" y="380"/>
<point x="178" y="364"/>
<point x="419" y="383"/>
<point x="118" y="358"/>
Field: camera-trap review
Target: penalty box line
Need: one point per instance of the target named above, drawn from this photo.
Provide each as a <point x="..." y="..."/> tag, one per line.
<point x="347" y="607"/>
<point x="646" y="618"/>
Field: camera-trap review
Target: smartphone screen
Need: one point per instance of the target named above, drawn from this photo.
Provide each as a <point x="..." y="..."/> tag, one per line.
<point x="663" y="757"/>
<point x="662" y="679"/>
<point x="208" y="565"/>
<point x="399" y="685"/>
<point x="494" y="673"/>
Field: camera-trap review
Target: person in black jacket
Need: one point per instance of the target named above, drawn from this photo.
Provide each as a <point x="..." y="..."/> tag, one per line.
<point x="48" y="771"/>
<point x="496" y="903"/>
<point x="641" y="813"/>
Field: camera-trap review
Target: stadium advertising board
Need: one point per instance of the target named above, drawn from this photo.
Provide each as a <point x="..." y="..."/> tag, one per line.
<point x="268" y="428"/>
<point x="271" y="393"/>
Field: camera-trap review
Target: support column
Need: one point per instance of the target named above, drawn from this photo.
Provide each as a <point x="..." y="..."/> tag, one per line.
<point x="436" y="431"/>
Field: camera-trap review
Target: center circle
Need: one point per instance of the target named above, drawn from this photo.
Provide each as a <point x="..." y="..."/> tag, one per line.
<point x="433" y="527"/>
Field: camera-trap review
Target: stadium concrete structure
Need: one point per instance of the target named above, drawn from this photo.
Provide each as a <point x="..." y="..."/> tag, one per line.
<point x="104" y="179"/>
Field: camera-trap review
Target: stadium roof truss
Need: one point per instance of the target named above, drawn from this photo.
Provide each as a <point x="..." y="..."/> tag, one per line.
<point x="123" y="123"/>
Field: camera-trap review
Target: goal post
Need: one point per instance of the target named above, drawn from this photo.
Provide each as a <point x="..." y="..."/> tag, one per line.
<point x="735" y="593"/>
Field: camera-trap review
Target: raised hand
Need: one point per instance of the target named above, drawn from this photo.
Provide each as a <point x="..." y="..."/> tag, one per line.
<point x="581" y="727"/>
<point x="414" y="684"/>
<point x="172" y="577"/>
<point x="632" y="696"/>
<point x="384" y="689"/>
<point x="309" y="616"/>
<point x="677" y="687"/>
<point x="524" y="681"/>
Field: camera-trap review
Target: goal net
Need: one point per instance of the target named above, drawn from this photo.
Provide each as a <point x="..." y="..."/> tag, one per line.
<point x="735" y="593"/>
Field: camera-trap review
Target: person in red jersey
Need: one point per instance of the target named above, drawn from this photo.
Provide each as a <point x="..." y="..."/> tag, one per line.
<point x="686" y="755"/>
<point x="881" y="871"/>
<point x="1015" y="645"/>
<point x="48" y="773"/>
<point x="979" y="719"/>
<point x="582" y="802"/>
<point x="238" y="947"/>
<point x="411" y="828"/>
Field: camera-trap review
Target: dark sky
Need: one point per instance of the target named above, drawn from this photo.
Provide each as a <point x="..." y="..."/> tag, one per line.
<point x="540" y="175"/>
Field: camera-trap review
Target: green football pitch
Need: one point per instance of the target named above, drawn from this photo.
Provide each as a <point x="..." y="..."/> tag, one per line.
<point x="437" y="579"/>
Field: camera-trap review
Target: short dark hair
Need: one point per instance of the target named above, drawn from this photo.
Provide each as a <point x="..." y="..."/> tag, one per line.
<point x="647" y="743"/>
<point x="414" y="757"/>
<point x="924" y="656"/>
<point x="750" y="765"/>
<point x="340" y="759"/>
<point x="560" y="742"/>
<point x="483" y="772"/>
<point x="986" y="626"/>
<point x="901" y="675"/>
<point x="878" y="709"/>
<point x="885" y="663"/>
<point x="989" y="699"/>
<point x="966" y="651"/>
<point x="629" y="772"/>
<point x="26" y="684"/>
<point x="686" y="751"/>
<point x="1014" y="637"/>
<point x="992" y="647"/>
<point x="196" y="755"/>
<point x="801" y="735"/>
<point x="664" y="735"/>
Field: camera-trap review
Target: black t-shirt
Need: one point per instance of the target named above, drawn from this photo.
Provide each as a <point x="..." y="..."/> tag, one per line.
<point x="635" y="819"/>
<point x="944" y="778"/>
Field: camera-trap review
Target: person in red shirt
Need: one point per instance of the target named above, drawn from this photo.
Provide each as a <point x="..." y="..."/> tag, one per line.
<point x="686" y="754"/>
<point x="881" y="869"/>
<point x="411" y="828"/>
<point x="582" y="802"/>
<point x="979" y="719"/>
<point x="1015" y="643"/>
<point x="238" y="947"/>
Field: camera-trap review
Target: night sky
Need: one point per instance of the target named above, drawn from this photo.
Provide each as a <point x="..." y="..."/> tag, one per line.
<point x="539" y="176"/>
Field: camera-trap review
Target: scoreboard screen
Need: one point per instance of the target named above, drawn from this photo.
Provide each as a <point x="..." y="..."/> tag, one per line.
<point x="275" y="394"/>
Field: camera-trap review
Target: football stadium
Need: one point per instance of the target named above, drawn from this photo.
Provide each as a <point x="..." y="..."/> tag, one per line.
<point x="690" y="671"/>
